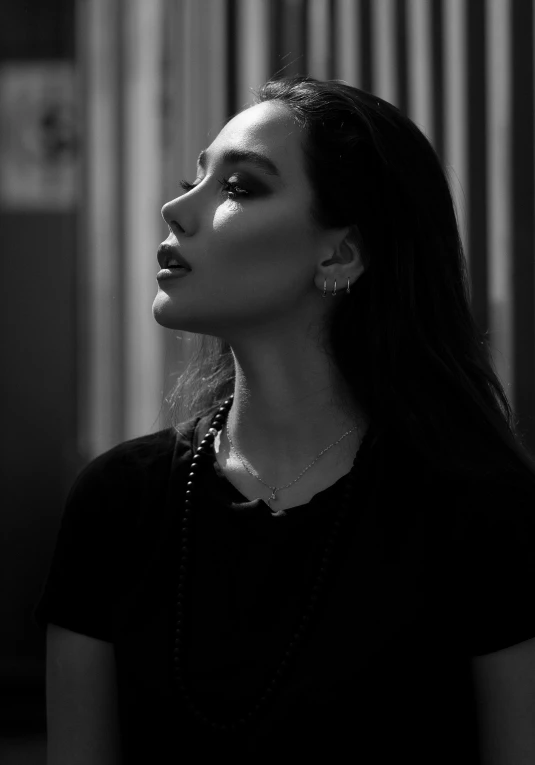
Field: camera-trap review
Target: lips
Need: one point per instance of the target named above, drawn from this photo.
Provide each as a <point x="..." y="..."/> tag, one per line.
<point x="167" y="253"/>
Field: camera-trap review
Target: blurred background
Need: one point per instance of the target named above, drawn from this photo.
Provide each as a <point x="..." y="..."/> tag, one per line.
<point x="104" y="106"/>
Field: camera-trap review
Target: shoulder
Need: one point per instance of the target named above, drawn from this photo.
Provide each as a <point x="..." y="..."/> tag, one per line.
<point x="136" y="452"/>
<point x="488" y="515"/>
<point x="490" y="539"/>
<point x="150" y="453"/>
<point x="496" y="497"/>
<point x="129" y="474"/>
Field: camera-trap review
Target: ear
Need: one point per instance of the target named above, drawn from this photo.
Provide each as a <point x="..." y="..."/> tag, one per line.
<point x="353" y="240"/>
<point x="346" y="249"/>
<point x="346" y="260"/>
<point x="349" y="252"/>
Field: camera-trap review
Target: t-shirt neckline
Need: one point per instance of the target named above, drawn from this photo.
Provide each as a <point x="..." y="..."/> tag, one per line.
<point x="234" y="500"/>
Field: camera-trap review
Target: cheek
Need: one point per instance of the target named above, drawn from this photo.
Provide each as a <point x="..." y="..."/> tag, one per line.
<point x="274" y="239"/>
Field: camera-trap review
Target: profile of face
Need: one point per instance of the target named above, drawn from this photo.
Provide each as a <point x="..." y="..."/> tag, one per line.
<point x="247" y="234"/>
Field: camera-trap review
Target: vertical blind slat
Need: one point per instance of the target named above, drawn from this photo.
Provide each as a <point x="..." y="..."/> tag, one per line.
<point x="523" y="298"/>
<point x="99" y="423"/>
<point x="143" y="343"/>
<point x="420" y="68"/>
<point x="498" y="197"/>
<point x="317" y="39"/>
<point x="476" y="140"/>
<point x="454" y="26"/>
<point x="252" y="48"/>
<point x="384" y="50"/>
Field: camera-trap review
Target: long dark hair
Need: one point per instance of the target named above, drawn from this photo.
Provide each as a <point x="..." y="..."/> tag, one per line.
<point x="405" y="338"/>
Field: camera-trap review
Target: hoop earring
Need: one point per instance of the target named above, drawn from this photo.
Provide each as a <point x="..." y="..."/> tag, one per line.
<point x="334" y="292"/>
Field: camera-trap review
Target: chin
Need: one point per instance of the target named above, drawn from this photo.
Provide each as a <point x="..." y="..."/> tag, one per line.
<point x="163" y="313"/>
<point x="169" y="316"/>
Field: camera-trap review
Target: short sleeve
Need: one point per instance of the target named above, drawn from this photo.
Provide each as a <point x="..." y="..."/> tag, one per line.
<point x="494" y="540"/>
<point x="81" y="585"/>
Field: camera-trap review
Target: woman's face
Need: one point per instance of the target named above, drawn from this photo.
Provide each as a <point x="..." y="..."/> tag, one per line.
<point x="253" y="256"/>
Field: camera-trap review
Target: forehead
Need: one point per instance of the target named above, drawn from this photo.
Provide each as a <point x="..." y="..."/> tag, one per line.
<point x="268" y="128"/>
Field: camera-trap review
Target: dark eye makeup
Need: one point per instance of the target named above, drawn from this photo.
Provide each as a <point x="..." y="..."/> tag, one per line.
<point x="229" y="187"/>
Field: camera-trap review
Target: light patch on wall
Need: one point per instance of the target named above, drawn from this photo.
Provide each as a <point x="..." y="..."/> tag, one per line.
<point x="38" y="136"/>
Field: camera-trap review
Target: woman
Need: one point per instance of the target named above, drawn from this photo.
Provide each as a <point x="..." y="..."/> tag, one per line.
<point x="319" y="555"/>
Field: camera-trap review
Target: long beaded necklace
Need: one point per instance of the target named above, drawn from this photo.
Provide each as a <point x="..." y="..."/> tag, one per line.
<point x="203" y="454"/>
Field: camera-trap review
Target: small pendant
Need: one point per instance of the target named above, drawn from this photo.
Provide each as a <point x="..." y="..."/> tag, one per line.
<point x="274" y="512"/>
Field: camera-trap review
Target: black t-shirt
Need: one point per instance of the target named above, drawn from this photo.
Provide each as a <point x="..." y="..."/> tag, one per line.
<point x="425" y="574"/>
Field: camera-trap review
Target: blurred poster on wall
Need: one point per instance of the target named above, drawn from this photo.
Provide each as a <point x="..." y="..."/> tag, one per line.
<point x="38" y="136"/>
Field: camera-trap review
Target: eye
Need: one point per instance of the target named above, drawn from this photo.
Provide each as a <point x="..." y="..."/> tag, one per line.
<point x="233" y="188"/>
<point x="228" y="186"/>
<point x="186" y="185"/>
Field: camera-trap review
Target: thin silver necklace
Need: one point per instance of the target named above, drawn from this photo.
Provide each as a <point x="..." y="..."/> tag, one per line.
<point x="274" y="489"/>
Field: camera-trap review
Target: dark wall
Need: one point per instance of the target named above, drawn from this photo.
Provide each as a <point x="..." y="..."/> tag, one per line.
<point x="38" y="401"/>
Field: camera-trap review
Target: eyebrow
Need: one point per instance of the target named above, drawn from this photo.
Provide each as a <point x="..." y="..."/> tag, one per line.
<point x="241" y="155"/>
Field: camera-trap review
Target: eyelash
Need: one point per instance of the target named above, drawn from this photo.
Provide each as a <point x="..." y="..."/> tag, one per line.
<point x="227" y="186"/>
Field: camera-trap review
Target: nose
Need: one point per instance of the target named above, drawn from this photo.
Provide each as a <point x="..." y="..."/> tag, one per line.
<point x="166" y="212"/>
<point x="169" y="214"/>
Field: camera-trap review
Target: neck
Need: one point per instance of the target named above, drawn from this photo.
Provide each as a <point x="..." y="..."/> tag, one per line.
<point x="280" y="424"/>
